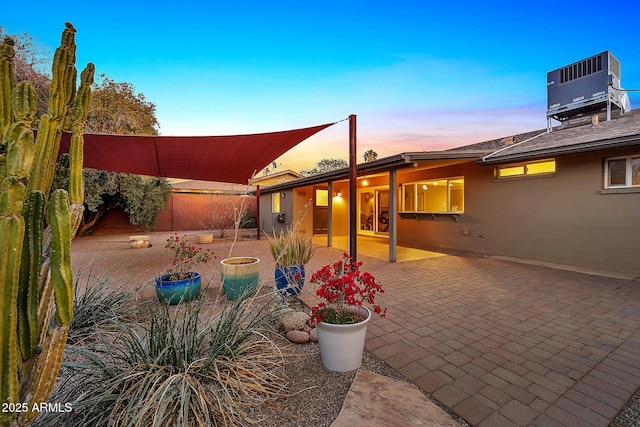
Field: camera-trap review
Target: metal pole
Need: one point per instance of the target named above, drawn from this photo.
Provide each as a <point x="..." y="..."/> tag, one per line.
<point x="330" y="214"/>
<point x="393" y="215"/>
<point x="353" y="177"/>
<point x="258" y="212"/>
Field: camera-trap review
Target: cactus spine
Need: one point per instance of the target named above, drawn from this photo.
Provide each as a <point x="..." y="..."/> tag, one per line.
<point x="35" y="272"/>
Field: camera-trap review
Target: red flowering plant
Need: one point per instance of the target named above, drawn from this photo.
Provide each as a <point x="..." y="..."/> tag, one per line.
<point x="185" y="257"/>
<point x="342" y="287"/>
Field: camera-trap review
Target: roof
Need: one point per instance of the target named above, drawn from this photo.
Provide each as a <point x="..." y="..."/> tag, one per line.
<point x="398" y="161"/>
<point x="233" y="158"/>
<point x="194" y="186"/>
<point x="280" y="176"/>
<point x="622" y="131"/>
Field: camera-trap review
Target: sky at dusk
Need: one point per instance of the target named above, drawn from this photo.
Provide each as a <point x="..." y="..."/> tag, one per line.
<point x="419" y="75"/>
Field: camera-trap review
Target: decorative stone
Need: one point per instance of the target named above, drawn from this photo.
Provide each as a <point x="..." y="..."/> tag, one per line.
<point x="307" y="328"/>
<point x="298" y="337"/>
<point x="294" y="321"/>
<point x="138" y="242"/>
<point x="313" y="335"/>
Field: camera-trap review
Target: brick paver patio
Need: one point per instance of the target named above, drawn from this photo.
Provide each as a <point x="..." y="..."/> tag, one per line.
<point x="497" y="342"/>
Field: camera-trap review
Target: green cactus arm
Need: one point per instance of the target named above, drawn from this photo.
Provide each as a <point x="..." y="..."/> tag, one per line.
<point x="7" y="53"/>
<point x="20" y="151"/>
<point x="46" y="371"/>
<point x="28" y="298"/>
<point x="36" y="176"/>
<point x="43" y="166"/>
<point x="62" y="67"/>
<point x="59" y="220"/>
<point x="11" y="234"/>
<point x="24" y="102"/>
<point x="12" y="193"/>
<point x="76" y="159"/>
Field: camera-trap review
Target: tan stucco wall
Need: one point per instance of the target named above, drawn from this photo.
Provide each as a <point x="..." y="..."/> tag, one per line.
<point x="562" y="219"/>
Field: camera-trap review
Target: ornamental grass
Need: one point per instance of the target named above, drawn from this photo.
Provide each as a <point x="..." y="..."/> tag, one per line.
<point x="183" y="367"/>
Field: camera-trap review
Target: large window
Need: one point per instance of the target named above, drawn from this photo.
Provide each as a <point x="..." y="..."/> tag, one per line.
<point x="622" y="172"/>
<point x="542" y="167"/>
<point x="433" y="196"/>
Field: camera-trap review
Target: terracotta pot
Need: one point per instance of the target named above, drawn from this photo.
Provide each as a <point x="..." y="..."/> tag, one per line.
<point x="205" y="238"/>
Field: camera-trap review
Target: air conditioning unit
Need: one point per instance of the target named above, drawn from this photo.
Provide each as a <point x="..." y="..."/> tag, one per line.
<point x="586" y="87"/>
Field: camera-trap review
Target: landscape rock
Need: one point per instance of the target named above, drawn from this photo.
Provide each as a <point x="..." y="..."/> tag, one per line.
<point x="313" y="335"/>
<point x="294" y="321"/>
<point x="298" y="337"/>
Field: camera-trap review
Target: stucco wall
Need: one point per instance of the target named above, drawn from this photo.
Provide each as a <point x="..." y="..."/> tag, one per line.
<point x="563" y="219"/>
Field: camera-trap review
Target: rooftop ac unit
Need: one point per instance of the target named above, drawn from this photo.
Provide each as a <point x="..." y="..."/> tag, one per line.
<point x="586" y="86"/>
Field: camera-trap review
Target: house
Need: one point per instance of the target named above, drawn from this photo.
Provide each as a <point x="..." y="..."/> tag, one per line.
<point x="568" y="196"/>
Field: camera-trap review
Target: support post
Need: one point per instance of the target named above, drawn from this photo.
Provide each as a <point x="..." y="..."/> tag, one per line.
<point x="393" y="215"/>
<point x="353" y="182"/>
<point x="330" y="214"/>
<point x="258" y="232"/>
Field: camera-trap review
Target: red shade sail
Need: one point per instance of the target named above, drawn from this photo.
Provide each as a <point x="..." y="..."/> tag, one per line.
<point x="232" y="158"/>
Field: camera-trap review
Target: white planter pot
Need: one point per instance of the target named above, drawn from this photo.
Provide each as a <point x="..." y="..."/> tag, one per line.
<point x="341" y="346"/>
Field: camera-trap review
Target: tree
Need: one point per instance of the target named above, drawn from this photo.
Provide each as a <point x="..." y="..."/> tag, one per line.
<point x="33" y="64"/>
<point x="370" y="155"/>
<point x="141" y="197"/>
<point x="326" y="165"/>
<point x="115" y="108"/>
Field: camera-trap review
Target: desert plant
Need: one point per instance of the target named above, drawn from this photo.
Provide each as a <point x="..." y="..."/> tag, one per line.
<point x="99" y="304"/>
<point x="35" y="261"/>
<point x="177" y="370"/>
<point x="291" y="247"/>
<point x="223" y="213"/>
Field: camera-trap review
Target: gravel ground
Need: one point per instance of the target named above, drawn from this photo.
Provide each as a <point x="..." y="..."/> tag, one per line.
<point x="317" y="394"/>
<point x="630" y="414"/>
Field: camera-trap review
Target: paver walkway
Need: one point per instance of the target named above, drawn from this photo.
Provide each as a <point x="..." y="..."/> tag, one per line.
<point x="497" y="342"/>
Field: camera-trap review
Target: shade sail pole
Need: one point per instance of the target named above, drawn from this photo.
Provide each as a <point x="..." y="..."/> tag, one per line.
<point x="258" y="231"/>
<point x="353" y="177"/>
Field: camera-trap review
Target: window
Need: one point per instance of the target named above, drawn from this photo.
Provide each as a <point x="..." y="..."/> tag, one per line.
<point x="543" y="167"/>
<point x="275" y="203"/>
<point x="438" y="195"/>
<point x="622" y="172"/>
<point x="322" y="198"/>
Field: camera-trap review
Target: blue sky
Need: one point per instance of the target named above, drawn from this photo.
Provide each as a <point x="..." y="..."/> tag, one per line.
<point x="419" y="75"/>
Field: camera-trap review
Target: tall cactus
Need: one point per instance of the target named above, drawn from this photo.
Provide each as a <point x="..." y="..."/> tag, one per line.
<point x="35" y="235"/>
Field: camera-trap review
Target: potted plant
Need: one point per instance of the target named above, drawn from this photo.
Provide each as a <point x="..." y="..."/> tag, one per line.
<point x="180" y="283"/>
<point x="342" y="317"/>
<point x="291" y="251"/>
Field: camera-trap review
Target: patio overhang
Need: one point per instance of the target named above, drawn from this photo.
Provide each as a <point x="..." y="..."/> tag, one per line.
<point x="233" y="158"/>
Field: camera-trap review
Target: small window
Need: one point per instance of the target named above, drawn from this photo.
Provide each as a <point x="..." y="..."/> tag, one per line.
<point x="622" y="172"/>
<point x="322" y="198"/>
<point x="544" y="167"/>
<point x="275" y="203"/>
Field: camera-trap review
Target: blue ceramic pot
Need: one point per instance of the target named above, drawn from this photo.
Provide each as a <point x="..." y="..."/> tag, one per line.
<point x="290" y="279"/>
<point x="177" y="291"/>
